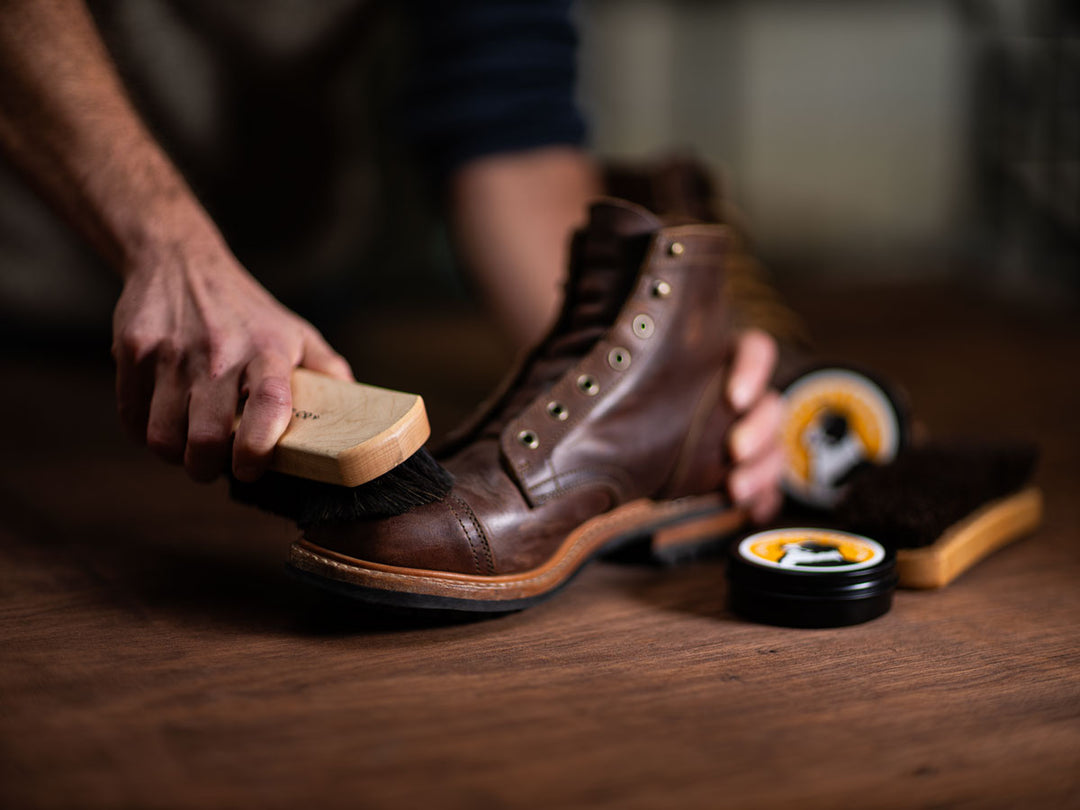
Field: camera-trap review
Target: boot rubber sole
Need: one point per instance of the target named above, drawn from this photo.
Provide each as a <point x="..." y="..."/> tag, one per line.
<point x="671" y="530"/>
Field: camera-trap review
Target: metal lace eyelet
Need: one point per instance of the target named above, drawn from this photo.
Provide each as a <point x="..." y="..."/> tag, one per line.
<point x="676" y="248"/>
<point x="644" y="326"/>
<point x="556" y="410"/>
<point x="588" y="385"/>
<point x="529" y="439"/>
<point x="619" y="358"/>
<point x="661" y="289"/>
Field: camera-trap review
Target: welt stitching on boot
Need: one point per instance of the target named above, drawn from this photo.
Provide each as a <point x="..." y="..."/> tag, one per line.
<point x="611" y="430"/>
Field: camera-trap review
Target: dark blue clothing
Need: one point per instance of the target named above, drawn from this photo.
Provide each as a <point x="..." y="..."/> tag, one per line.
<point x="492" y="77"/>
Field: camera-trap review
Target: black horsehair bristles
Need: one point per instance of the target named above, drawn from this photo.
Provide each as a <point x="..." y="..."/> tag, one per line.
<point x="912" y="501"/>
<point x="419" y="480"/>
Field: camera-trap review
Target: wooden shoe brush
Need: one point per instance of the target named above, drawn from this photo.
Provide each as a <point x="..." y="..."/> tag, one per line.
<point x="350" y="451"/>
<point x="945" y="507"/>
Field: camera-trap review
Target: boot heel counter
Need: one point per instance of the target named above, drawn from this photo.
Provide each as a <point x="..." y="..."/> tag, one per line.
<point x="699" y="535"/>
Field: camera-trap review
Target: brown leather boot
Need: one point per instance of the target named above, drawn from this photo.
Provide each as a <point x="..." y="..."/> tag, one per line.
<point x="611" y="431"/>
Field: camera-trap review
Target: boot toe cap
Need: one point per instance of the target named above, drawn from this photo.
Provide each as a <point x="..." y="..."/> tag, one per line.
<point x="442" y="536"/>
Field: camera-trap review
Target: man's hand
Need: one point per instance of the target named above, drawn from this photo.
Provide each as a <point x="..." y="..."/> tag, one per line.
<point x="754" y="440"/>
<point x="192" y="334"/>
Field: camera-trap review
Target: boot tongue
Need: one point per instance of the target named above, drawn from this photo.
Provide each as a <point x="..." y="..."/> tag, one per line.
<point x="604" y="261"/>
<point x="622" y="218"/>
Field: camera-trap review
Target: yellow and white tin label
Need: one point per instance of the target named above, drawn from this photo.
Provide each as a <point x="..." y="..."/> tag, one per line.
<point x="835" y="419"/>
<point x="821" y="550"/>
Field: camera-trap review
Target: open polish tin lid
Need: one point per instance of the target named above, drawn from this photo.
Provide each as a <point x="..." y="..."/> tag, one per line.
<point x="806" y="577"/>
<point x="836" y="420"/>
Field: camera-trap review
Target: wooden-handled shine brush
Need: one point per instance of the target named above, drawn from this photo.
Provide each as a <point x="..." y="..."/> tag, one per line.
<point x="945" y="506"/>
<point x="350" y="451"/>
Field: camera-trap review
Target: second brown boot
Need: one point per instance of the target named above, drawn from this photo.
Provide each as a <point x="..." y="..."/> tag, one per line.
<point x="611" y="431"/>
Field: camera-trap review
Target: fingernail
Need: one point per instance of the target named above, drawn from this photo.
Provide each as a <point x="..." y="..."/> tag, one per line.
<point x="740" y="397"/>
<point x="739" y="488"/>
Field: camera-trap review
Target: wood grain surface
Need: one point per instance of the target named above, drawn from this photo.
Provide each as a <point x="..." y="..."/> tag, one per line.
<point x="153" y="653"/>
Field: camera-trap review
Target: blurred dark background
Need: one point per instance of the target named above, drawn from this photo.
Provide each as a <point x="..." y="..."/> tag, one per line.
<point x="866" y="140"/>
<point x="883" y="142"/>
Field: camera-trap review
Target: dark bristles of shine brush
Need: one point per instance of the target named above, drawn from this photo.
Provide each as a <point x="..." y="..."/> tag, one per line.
<point x="351" y="451"/>
<point x="945" y="506"/>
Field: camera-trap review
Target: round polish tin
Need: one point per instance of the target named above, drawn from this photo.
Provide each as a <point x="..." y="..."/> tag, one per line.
<point x="807" y="577"/>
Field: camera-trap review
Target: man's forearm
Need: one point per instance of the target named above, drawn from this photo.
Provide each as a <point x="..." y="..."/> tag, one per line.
<point x="67" y="124"/>
<point x="192" y="330"/>
<point x="512" y="218"/>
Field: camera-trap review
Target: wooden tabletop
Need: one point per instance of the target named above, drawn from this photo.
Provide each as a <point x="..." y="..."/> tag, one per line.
<point x="153" y="652"/>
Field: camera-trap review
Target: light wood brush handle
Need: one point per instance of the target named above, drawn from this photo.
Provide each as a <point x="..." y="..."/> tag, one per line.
<point x="348" y="433"/>
<point x="968" y="541"/>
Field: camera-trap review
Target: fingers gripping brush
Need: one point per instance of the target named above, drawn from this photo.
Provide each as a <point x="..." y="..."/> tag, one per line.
<point x="350" y="451"/>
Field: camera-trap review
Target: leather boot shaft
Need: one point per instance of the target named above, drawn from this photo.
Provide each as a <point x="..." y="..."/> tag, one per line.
<point x="650" y="387"/>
